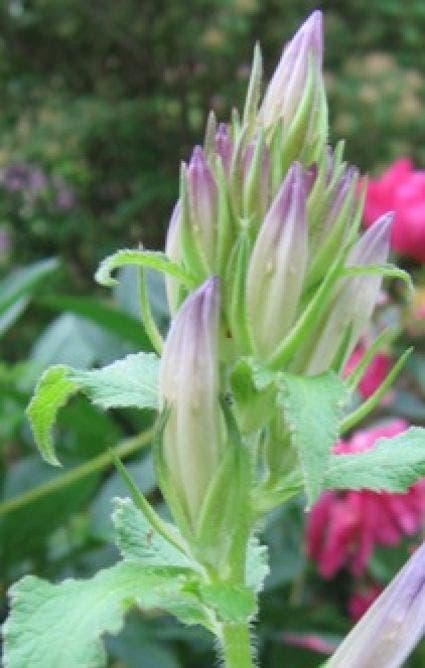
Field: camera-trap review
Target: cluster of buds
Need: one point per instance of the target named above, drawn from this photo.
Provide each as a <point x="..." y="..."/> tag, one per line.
<point x="267" y="225"/>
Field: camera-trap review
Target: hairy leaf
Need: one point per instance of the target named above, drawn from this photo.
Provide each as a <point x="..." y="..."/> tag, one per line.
<point x="52" y="392"/>
<point x="138" y="541"/>
<point x="60" y="626"/>
<point x="312" y="408"/>
<point x="393" y="464"/>
<point x="140" y="258"/>
<point x="131" y="381"/>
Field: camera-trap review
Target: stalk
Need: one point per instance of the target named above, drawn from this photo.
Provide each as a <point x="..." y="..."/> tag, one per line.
<point x="236" y="646"/>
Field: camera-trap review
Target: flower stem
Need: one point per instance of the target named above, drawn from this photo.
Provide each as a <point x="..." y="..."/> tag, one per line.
<point x="236" y="646"/>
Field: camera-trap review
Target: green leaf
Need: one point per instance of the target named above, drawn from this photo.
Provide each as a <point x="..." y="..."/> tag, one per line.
<point x="139" y="541"/>
<point x="151" y="259"/>
<point x="60" y="626"/>
<point x="131" y="381"/>
<point x="312" y="408"/>
<point x="53" y="390"/>
<point x="231" y="603"/>
<point x="393" y="464"/>
<point x="23" y="282"/>
<point x="110" y="318"/>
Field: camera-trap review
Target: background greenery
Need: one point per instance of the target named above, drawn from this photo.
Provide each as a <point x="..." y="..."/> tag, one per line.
<point x="100" y="101"/>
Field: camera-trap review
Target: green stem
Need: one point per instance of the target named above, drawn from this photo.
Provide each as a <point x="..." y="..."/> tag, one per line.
<point x="124" y="449"/>
<point x="237" y="652"/>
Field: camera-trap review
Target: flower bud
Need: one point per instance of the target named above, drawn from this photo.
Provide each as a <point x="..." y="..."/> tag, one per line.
<point x="189" y="386"/>
<point x="288" y="84"/>
<point x="355" y="299"/>
<point x="256" y="173"/>
<point x="277" y="265"/>
<point x="203" y="202"/>
<point x="224" y="147"/>
<point x="392" y="626"/>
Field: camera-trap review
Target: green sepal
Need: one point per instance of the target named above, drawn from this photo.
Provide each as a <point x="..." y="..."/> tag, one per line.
<point x="224" y="521"/>
<point x="318" y="134"/>
<point x="255" y="398"/>
<point x="373" y="401"/>
<point x="342" y="351"/>
<point x="146" y="313"/>
<point x="210" y="131"/>
<point x="254" y="89"/>
<point x="276" y="151"/>
<point x="356" y="375"/>
<point x="235" y="300"/>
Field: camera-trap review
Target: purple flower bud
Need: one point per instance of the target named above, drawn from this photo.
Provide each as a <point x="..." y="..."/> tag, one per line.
<point x="189" y="387"/>
<point x="356" y="297"/>
<point x="287" y="86"/>
<point x="277" y="265"/>
<point x="392" y="626"/>
<point x="203" y="204"/>
<point x="224" y="147"/>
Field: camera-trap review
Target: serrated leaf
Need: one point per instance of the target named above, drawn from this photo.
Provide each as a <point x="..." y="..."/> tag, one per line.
<point x="312" y="408"/>
<point x="138" y="541"/>
<point x="393" y="464"/>
<point x="131" y="381"/>
<point x="231" y="603"/>
<point x="52" y="392"/>
<point x="60" y="626"/>
<point x="140" y="258"/>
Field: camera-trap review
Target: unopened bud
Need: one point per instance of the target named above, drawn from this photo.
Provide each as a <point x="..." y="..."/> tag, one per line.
<point x="277" y="265"/>
<point x="287" y="86"/>
<point x="203" y="203"/>
<point x="189" y="388"/>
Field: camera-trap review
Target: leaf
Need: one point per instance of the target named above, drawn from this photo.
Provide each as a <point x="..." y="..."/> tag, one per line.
<point x="60" y="626"/>
<point x="52" y="392"/>
<point x="23" y="282"/>
<point x="312" y="409"/>
<point x="112" y="319"/>
<point x="131" y="381"/>
<point x="138" y="541"/>
<point x="393" y="464"/>
<point x="151" y="259"/>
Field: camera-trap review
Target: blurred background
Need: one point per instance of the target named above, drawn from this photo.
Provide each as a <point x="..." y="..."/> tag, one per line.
<point x="100" y="101"/>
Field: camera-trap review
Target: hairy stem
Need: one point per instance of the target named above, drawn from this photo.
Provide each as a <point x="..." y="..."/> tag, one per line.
<point x="235" y="640"/>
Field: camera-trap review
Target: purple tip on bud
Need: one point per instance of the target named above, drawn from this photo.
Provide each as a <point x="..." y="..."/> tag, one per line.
<point x="203" y="203"/>
<point x="394" y="624"/>
<point x="189" y="387"/>
<point x="374" y="246"/>
<point x="277" y="265"/>
<point x="173" y="251"/>
<point x="224" y="147"/>
<point x="288" y="83"/>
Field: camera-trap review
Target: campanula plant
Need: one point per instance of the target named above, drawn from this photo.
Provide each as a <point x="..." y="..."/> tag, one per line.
<point x="271" y="286"/>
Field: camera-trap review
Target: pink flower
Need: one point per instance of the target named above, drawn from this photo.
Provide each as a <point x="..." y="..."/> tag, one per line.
<point x="400" y="189"/>
<point x="361" y="600"/>
<point x="343" y="528"/>
<point x="309" y="641"/>
<point x="375" y="373"/>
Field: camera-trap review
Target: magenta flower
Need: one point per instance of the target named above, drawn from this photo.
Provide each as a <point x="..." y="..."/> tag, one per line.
<point x="343" y="528"/>
<point x="361" y="600"/>
<point x="400" y="189"/>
